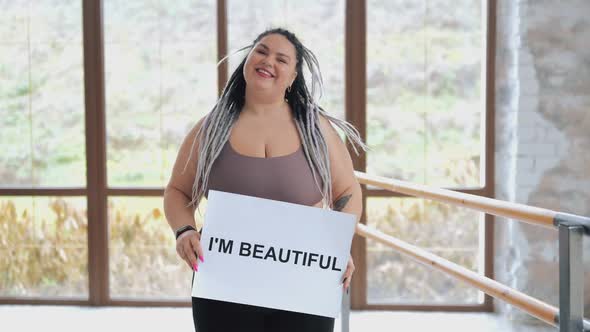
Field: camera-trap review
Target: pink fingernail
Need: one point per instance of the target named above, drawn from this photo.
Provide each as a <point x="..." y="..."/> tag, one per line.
<point x="195" y="267"/>
<point x="202" y="260"/>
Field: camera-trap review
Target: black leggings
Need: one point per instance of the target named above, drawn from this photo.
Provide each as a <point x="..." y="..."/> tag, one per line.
<point x="212" y="316"/>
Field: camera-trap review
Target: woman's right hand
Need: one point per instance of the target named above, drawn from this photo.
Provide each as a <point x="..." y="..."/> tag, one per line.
<point x="188" y="247"/>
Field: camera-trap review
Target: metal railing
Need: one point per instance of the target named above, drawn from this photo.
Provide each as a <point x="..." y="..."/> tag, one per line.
<point x="569" y="317"/>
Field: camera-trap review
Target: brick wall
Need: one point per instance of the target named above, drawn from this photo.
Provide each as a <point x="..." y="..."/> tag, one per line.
<point x="542" y="136"/>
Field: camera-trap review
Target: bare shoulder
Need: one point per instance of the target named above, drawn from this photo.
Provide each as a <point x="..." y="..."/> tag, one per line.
<point x="184" y="170"/>
<point x="195" y="129"/>
<point x="190" y="142"/>
<point x="328" y="130"/>
<point x="340" y="161"/>
<point x="339" y="154"/>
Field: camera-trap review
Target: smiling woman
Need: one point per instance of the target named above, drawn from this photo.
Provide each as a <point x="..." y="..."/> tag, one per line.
<point x="266" y="111"/>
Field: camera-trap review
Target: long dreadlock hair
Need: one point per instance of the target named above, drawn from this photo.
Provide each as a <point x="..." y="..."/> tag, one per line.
<point x="217" y="125"/>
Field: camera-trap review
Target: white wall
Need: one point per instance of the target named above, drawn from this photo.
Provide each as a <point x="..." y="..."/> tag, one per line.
<point x="542" y="136"/>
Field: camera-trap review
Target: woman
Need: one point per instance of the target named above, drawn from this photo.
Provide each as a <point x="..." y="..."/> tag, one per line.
<point x="245" y="145"/>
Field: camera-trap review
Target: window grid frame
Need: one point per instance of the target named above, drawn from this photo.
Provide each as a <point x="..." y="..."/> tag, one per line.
<point x="97" y="191"/>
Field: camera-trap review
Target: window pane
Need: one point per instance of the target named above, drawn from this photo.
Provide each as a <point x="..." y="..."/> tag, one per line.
<point x="142" y="251"/>
<point x="454" y="104"/>
<point x="424" y="83"/>
<point x="14" y="18"/>
<point x="395" y="89"/>
<point x="41" y="94"/>
<point x="43" y="247"/>
<point x="58" y="115"/>
<point x="161" y="79"/>
<point x="319" y="25"/>
<point x="15" y="124"/>
<point x="450" y="232"/>
<point x="55" y="20"/>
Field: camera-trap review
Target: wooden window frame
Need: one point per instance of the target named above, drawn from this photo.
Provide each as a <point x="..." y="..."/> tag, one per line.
<point x="356" y="104"/>
<point x="97" y="190"/>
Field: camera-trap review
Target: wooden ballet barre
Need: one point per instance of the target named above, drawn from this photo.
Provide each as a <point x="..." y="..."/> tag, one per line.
<point x="531" y="305"/>
<point x="530" y="214"/>
<point x="570" y="249"/>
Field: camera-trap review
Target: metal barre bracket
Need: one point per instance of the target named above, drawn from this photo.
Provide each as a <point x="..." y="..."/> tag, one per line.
<point x="572" y="219"/>
<point x="571" y="274"/>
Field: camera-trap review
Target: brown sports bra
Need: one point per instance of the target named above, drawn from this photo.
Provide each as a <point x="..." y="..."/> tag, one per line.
<point x="285" y="178"/>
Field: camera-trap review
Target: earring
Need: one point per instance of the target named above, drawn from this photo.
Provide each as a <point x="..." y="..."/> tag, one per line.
<point x="288" y="91"/>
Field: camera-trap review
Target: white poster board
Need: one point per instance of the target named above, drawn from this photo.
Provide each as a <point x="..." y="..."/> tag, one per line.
<point x="273" y="254"/>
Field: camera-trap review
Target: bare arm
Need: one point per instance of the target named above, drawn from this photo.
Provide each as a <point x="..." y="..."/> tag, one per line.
<point x="346" y="191"/>
<point x="177" y="195"/>
<point x="179" y="189"/>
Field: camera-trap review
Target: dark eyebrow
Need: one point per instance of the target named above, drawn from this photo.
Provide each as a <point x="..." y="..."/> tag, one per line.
<point x="279" y="53"/>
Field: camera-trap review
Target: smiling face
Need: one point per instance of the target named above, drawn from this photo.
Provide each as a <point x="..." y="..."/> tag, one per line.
<point x="271" y="65"/>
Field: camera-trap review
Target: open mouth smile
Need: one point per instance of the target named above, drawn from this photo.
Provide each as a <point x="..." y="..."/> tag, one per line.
<point x="264" y="73"/>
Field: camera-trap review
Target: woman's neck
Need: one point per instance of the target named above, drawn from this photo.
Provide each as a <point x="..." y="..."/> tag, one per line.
<point x="263" y="106"/>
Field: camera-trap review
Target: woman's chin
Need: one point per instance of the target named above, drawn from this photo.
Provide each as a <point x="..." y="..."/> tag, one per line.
<point x="262" y="86"/>
<point x="263" y="81"/>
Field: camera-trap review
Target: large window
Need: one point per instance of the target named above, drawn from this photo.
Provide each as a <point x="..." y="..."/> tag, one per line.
<point x="97" y="95"/>
<point x="43" y="246"/>
<point x="424" y="115"/>
<point x="160" y="79"/>
<point x="41" y="95"/>
<point x="424" y="91"/>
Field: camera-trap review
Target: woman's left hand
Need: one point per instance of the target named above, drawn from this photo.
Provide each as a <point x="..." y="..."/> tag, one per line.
<point x="348" y="274"/>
